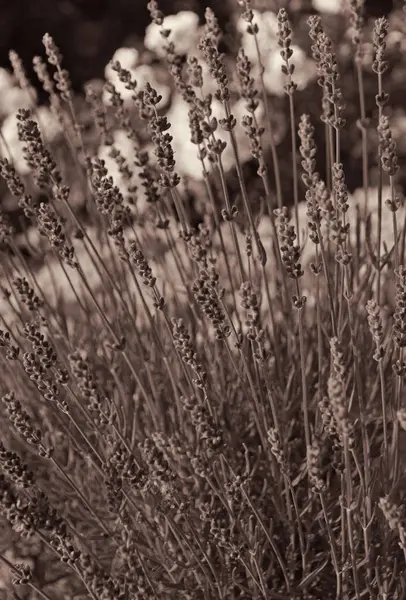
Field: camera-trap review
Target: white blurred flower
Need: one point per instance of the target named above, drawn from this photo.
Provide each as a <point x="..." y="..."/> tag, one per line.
<point x="128" y="59"/>
<point x="387" y="215"/>
<point x="13" y="98"/>
<point x="186" y="153"/>
<point x="274" y="79"/>
<point x="141" y="74"/>
<point x="394" y="38"/>
<point x="6" y="80"/>
<point x="146" y="74"/>
<point x="209" y="83"/>
<point x="187" y="162"/>
<point x="49" y="125"/>
<point x="398" y="126"/>
<point x="238" y="110"/>
<point x="9" y="143"/>
<point x="330" y="7"/>
<point x="184" y="27"/>
<point x="267" y="35"/>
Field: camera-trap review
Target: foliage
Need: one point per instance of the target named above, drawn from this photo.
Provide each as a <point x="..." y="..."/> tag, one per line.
<point x="204" y="407"/>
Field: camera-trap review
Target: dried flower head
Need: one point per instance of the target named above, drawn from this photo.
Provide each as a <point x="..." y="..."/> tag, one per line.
<point x="27" y="294"/>
<point x="289" y="250"/>
<point x="214" y="59"/>
<point x="50" y="225"/>
<point x="185" y="347"/>
<point x="285" y="42"/>
<point x="399" y="325"/>
<point x="208" y="295"/>
<point x="387" y="147"/>
<point x="313" y="467"/>
<point x="275" y="442"/>
<point x="307" y="149"/>
<point x="61" y="76"/>
<point x="337" y="392"/>
<point x="375" y="327"/>
<point x="24" y="424"/>
<point x="379" y="35"/>
<point x="37" y="156"/>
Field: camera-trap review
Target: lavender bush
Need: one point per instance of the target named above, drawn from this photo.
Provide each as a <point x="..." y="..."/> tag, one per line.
<point x="204" y="403"/>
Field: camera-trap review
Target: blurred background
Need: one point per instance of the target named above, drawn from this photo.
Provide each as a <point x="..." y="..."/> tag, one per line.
<point x="89" y="31"/>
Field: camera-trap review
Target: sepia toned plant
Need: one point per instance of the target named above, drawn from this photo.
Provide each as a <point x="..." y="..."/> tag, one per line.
<point x="202" y="322"/>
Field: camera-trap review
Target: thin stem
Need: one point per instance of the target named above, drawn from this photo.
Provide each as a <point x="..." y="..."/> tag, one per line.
<point x="269" y="126"/>
<point x="294" y="164"/>
<point x="305" y="408"/>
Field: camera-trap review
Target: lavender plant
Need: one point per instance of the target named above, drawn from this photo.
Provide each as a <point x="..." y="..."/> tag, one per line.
<point x="208" y="410"/>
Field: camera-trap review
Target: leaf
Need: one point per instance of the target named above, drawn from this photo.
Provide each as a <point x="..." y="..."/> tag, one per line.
<point x="311" y="576"/>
